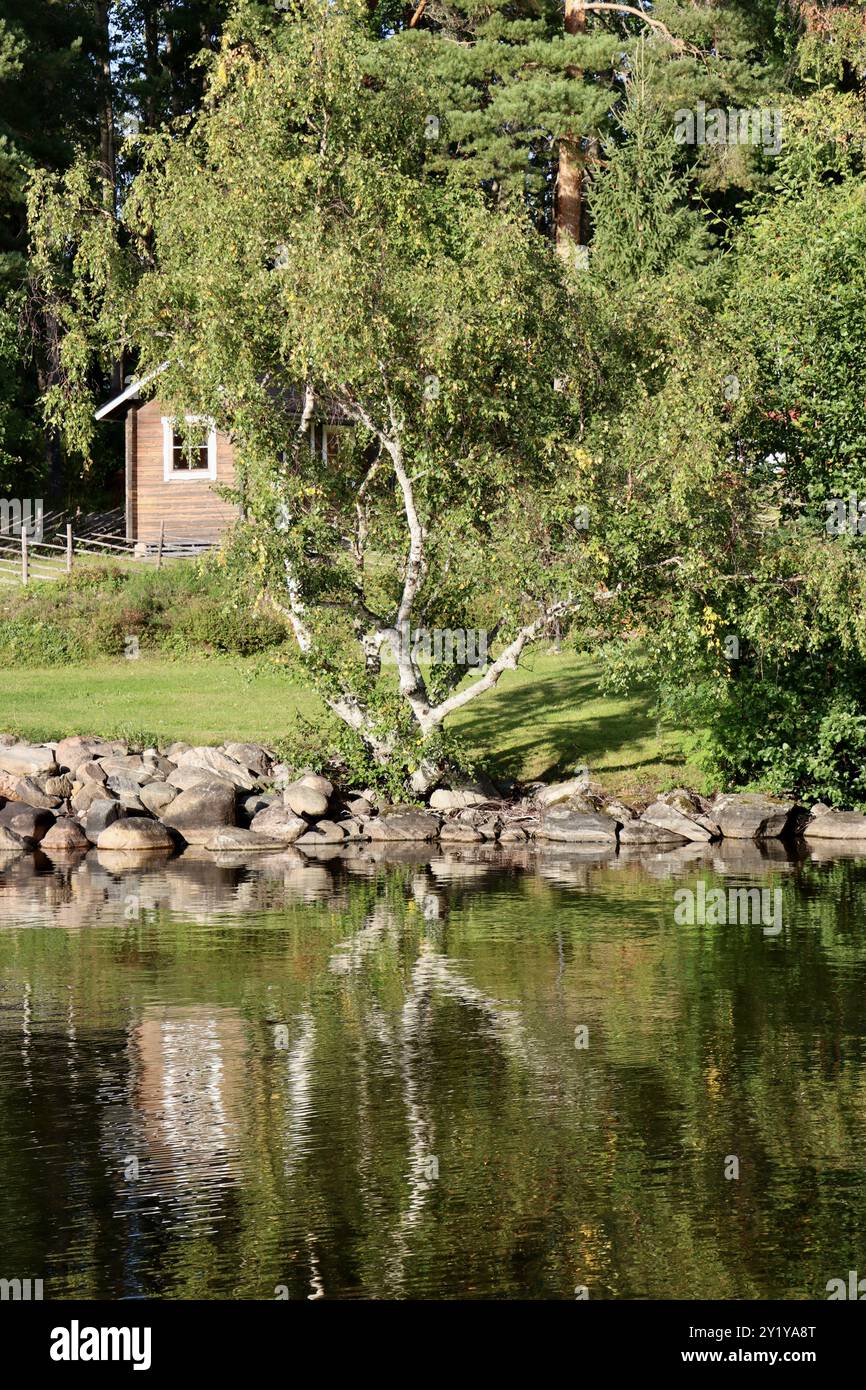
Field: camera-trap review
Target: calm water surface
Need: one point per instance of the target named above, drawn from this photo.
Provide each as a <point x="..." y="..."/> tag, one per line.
<point x="362" y="1077"/>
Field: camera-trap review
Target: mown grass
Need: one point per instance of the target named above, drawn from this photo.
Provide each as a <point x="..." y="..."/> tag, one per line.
<point x="539" y="722"/>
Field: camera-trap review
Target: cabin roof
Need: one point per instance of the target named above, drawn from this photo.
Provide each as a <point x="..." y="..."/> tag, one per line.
<point x="289" y="398"/>
<point x="113" y="409"/>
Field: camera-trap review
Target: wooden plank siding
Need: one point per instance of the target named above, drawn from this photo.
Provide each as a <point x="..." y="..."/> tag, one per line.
<point x="189" y="507"/>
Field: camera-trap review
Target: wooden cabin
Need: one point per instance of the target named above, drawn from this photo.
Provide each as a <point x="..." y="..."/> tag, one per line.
<point x="171" y="478"/>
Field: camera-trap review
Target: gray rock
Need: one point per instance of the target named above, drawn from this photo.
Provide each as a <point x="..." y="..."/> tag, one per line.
<point x="124" y="787"/>
<point x="157" y="766"/>
<point x="87" y="794"/>
<point x="305" y="800"/>
<point x="57" y="786"/>
<point x="27" y="760"/>
<point x="131" y="769"/>
<point x="134" y="833"/>
<point x="562" y="791"/>
<point x="259" y="801"/>
<point x="198" y="812"/>
<point x="81" y="748"/>
<point x="456" y="799"/>
<point x="90" y="771"/>
<point x="26" y="821"/>
<point x="353" y="828"/>
<point x="185" y="778"/>
<point x="278" y="822"/>
<point x="640" y="832"/>
<point x="64" y="837"/>
<point x="327" y="832"/>
<point x="212" y="760"/>
<point x="669" y="818"/>
<point x="749" y="816"/>
<point x="100" y="815"/>
<point x="837" y="825"/>
<point x="25" y="790"/>
<point x="453" y="832"/>
<point x="572" y="827"/>
<point x="317" y="783"/>
<point x="10" y="841"/>
<point x="620" y="811"/>
<point x="252" y="756"/>
<point x="403" y="825"/>
<point x="232" y="837"/>
<point x="174" y="750"/>
<point x="513" y="835"/>
<point x="155" y="796"/>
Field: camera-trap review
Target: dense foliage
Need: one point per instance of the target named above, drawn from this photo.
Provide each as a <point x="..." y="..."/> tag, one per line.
<point x="638" y="441"/>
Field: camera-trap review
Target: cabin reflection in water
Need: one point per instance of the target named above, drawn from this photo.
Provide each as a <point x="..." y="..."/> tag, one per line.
<point x="188" y="1079"/>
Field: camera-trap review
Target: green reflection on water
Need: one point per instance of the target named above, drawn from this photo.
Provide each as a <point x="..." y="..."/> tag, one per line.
<point x="359" y="1078"/>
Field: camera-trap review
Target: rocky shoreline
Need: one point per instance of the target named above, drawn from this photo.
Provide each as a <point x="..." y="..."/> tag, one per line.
<point x="87" y="792"/>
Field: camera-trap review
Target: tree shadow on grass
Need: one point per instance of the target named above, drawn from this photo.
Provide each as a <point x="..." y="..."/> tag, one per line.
<point x="549" y="715"/>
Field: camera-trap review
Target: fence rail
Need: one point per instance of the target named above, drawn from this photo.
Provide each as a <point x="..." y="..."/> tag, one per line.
<point x="23" y="559"/>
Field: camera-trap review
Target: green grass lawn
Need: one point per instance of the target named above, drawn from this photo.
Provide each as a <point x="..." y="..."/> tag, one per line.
<point x="540" y="721"/>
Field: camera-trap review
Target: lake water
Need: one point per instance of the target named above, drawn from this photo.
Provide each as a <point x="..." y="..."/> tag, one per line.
<point x="449" y="1074"/>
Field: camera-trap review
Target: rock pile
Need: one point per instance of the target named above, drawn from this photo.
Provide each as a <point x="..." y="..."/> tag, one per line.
<point x="88" y="791"/>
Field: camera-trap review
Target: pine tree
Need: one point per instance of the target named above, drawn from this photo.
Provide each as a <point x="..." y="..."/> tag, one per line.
<point x="532" y="93"/>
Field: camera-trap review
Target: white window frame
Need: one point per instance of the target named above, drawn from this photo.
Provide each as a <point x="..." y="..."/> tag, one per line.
<point x="318" y="431"/>
<point x="188" y="475"/>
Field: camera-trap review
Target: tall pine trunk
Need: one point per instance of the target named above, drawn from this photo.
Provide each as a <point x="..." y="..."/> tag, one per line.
<point x="106" y="100"/>
<point x="571" y="174"/>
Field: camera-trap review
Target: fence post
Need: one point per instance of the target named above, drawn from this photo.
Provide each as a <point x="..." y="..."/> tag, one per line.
<point x="25" y="567"/>
<point x="161" y="544"/>
<point x="69" y="547"/>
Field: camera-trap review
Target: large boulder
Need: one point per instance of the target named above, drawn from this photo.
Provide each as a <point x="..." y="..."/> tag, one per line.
<point x="456" y="799"/>
<point x="56" y="786"/>
<point x="454" y="833"/>
<point x="403" y="825"/>
<point x="252" y="756"/>
<point x="232" y="837"/>
<point x="25" y="790"/>
<point x="317" y="782"/>
<point x="304" y="800"/>
<point x="183" y="779"/>
<point x="572" y="827"/>
<point x="278" y="822"/>
<point x="641" y="832"/>
<point x="90" y="771"/>
<point x="100" y="815"/>
<point x="562" y="791"/>
<point x="676" y="821"/>
<point x="156" y="796"/>
<point x="836" y="825"/>
<point x="87" y="794"/>
<point x="197" y="813"/>
<point x="750" y="816"/>
<point x="26" y="821"/>
<point x="65" y="837"/>
<point x="513" y="835"/>
<point x="26" y="760"/>
<point x="11" y="842"/>
<point x="212" y="760"/>
<point x="135" y="833"/>
<point x="327" y="832"/>
<point x="130" y="769"/>
<point x="81" y="748"/>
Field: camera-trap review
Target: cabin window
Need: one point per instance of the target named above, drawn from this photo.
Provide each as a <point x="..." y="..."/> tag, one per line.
<point x="325" y="441"/>
<point x="190" y="454"/>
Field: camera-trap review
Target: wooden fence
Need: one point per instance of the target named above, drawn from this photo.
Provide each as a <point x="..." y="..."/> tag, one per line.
<point x="24" y="559"/>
